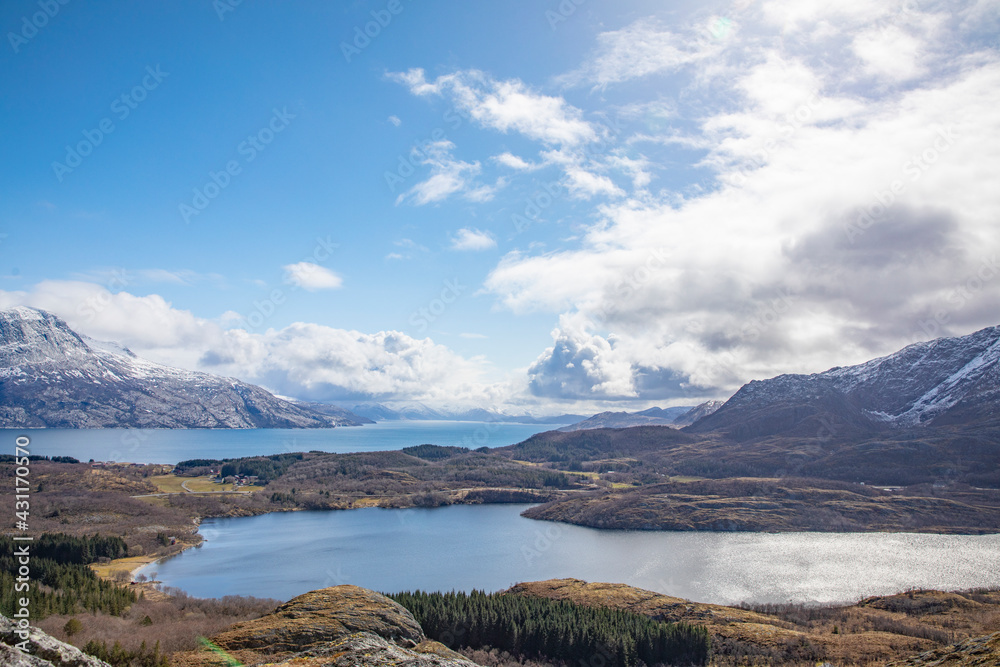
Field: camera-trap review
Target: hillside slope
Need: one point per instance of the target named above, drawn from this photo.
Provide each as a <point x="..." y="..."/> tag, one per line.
<point x="943" y="382"/>
<point x="50" y="376"/>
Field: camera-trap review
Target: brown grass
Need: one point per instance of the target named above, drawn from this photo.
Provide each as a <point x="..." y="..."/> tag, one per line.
<point x="869" y="633"/>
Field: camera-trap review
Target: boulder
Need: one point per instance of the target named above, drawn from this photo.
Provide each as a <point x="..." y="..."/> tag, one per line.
<point x="973" y="652"/>
<point x="44" y="651"/>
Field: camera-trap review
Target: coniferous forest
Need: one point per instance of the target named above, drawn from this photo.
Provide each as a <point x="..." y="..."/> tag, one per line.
<point x="61" y="581"/>
<point x="539" y="628"/>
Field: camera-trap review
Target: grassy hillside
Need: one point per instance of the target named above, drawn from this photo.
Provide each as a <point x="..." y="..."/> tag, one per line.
<point x="867" y="633"/>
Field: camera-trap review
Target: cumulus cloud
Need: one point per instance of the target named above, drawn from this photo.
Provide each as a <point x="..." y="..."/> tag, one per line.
<point x="472" y="239"/>
<point x="447" y="176"/>
<point x="515" y="162"/>
<point x="305" y="361"/>
<point x="843" y="221"/>
<point x="311" y="277"/>
<point x="506" y="106"/>
<point x="582" y="365"/>
<point x="586" y="184"/>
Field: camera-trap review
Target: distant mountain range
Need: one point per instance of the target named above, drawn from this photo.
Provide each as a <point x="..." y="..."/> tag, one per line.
<point x="929" y="413"/>
<point x="943" y="382"/>
<point x="50" y="376"/>
<point x="415" y="411"/>
<point x="948" y="381"/>
<point x="675" y="417"/>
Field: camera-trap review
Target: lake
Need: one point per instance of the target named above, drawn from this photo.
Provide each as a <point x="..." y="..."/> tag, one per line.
<point x="173" y="445"/>
<point x="491" y="547"/>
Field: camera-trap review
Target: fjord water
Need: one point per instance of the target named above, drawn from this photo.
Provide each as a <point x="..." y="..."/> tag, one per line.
<point x="491" y="547"/>
<point x="173" y="445"/>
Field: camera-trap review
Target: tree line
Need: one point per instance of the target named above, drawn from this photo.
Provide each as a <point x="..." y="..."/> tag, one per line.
<point x="118" y="656"/>
<point x="10" y="458"/>
<point x="534" y="628"/>
<point x="266" y="468"/>
<point x="61" y="581"/>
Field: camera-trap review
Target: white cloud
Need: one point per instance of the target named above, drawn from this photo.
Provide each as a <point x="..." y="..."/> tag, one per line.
<point x="472" y="239"/>
<point x="305" y="361"/>
<point x="515" y="162"/>
<point x="776" y="268"/>
<point x="641" y="49"/>
<point x="395" y="120"/>
<point x="311" y="277"/>
<point x="890" y="53"/>
<point x="506" y="106"/>
<point x="585" y="185"/>
<point x="448" y="176"/>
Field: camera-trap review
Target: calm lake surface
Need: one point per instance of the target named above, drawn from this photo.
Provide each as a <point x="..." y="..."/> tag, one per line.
<point x="491" y="547"/>
<point x="173" y="445"/>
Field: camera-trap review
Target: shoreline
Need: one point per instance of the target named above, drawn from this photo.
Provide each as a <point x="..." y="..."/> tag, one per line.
<point x="133" y="564"/>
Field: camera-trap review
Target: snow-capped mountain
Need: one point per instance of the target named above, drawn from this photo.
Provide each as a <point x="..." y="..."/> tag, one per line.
<point x="51" y="376"/>
<point x="943" y="382"/>
<point x="696" y="413"/>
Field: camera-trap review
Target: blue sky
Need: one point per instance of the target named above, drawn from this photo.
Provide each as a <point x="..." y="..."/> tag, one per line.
<point x="534" y="205"/>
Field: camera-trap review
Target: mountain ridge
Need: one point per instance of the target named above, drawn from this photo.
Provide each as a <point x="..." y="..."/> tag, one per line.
<point x="674" y="417"/>
<point x="51" y="376"/>
<point x="943" y="382"/>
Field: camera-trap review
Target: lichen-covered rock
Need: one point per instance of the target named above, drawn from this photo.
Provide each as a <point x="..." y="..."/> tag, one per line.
<point x="45" y="651"/>
<point x="314" y="619"/>
<point x="974" y="652"/>
<point x="332" y="627"/>
<point x="365" y="649"/>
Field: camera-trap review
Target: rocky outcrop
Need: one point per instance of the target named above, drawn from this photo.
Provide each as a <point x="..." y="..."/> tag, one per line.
<point x="44" y="651"/>
<point x="313" y="619"/>
<point x="974" y="652"/>
<point x="364" y="649"/>
<point x="341" y="625"/>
